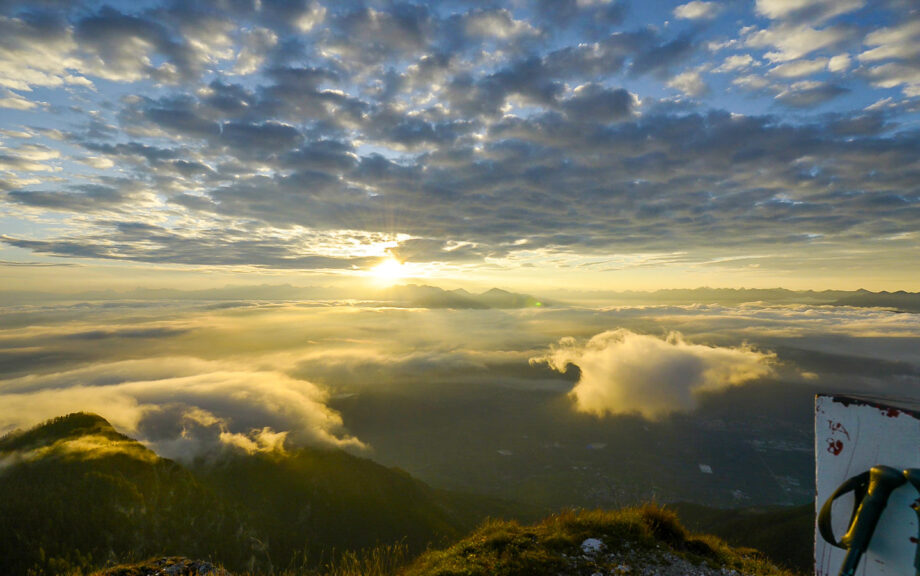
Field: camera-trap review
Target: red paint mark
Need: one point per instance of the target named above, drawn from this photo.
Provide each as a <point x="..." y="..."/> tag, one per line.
<point x="892" y="412"/>
<point x="838" y="427"/>
<point x="835" y="447"/>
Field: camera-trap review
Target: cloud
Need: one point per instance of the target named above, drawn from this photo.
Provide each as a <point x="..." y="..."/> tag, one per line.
<point x="809" y="93"/>
<point x="37" y="50"/>
<point x="14" y="101"/>
<point x="735" y="62"/>
<point x="28" y="158"/>
<point x="87" y="199"/>
<point x="596" y="161"/>
<point x="793" y="41"/>
<point x="366" y="36"/>
<point x="261" y="370"/>
<point x="662" y="57"/>
<point x="893" y="58"/>
<point x="622" y="372"/>
<point x="255" y="47"/>
<point x="690" y="83"/>
<point x="119" y="240"/>
<point x="82" y="448"/>
<point x="498" y="23"/>
<point x="503" y="126"/>
<point x="595" y="103"/>
<point x="839" y="63"/>
<point x="797" y="68"/>
<point x="697" y="10"/>
<point x="129" y="47"/>
<point x="813" y="10"/>
<point x="896" y="42"/>
<point x="182" y="406"/>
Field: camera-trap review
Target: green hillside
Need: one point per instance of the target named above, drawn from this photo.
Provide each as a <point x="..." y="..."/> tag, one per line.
<point x="78" y="496"/>
<point x="313" y="500"/>
<point x="785" y="534"/>
<point x="75" y="493"/>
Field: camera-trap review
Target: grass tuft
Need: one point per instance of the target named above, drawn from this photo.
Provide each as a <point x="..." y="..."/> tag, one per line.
<point x="553" y="546"/>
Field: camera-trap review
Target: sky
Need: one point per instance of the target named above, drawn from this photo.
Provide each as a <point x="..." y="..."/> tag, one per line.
<point x="524" y="144"/>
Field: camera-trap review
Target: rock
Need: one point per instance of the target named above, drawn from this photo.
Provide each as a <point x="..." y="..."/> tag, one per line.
<point x="592" y="547"/>
<point x="166" y="566"/>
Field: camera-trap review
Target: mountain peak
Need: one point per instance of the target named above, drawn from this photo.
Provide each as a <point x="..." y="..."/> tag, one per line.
<point x="434" y="297"/>
<point x="66" y="427"/>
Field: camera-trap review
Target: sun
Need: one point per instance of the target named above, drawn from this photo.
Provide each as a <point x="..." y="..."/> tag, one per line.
<point x="389" y="271"/>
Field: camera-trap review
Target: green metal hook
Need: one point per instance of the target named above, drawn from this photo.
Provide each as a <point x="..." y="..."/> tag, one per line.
<point x="871" y="491"/>
<point x="913" y="477"/>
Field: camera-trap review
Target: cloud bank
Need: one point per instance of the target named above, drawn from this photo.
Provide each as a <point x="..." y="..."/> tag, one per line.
<point x="188" y="377"/>
<point x="623" y="372"/>
<point x="183" y="407"/>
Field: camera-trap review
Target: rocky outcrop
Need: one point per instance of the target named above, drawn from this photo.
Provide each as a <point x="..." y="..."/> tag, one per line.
<point x="166" y="566"/>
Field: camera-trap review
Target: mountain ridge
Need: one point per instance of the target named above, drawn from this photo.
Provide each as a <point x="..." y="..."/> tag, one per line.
<point x="436" y="297"/>
<point x="425" y="296"/>
<point x="251" y="511"/>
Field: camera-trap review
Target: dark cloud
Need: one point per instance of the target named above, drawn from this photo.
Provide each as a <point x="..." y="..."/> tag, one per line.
<point x="661" y="58"/>
<point x="594" y="103"/>
<point x="84" y="199"/>
<point x="142" y="333"/>
<point x="428" y="250"/>
<point x="263" y="137"/>
<point x="229" y="100"/>
<point x="396" y="128"/>
<point x="809" y="95"/>
<point x="321" y="155"/>
<point x="299" y="95"/>
<point x="180" y="116"/>
<point x="367" y="36"/>
<point x="121" y="45"/>
<point x="149" y="243"/>
<point x="591" y="21"/>
<point x="869" y="124"/>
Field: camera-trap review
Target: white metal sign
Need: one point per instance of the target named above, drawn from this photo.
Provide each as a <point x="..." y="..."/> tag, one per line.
<point x="853" y="436"/>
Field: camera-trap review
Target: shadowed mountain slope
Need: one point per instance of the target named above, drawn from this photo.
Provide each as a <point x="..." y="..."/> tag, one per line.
<point x="75" y="493"/>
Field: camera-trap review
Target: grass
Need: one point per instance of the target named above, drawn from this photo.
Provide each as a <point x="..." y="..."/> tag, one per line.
<point x="384" y="560"/>
<point x="637" y="536"/>
<point x="643" y="534"/>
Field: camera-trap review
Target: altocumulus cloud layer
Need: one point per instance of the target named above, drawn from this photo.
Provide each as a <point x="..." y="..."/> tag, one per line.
<point x="627" y="373"/>
<point x="318" y="135"/>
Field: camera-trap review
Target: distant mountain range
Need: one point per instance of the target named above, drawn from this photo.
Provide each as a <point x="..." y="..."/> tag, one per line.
<point x="423" y="296"/>
<point x="75" y="493"/>
<point x="406" y="295"/>
<point x="432" y="297"/>
<point x="900" y="300"/>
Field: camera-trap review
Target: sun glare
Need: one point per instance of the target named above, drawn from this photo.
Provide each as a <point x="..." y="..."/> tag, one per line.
<point x="389" y="271"/>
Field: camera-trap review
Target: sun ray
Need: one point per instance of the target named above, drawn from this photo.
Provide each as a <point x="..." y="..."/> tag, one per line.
<point x="389" y="271"/>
